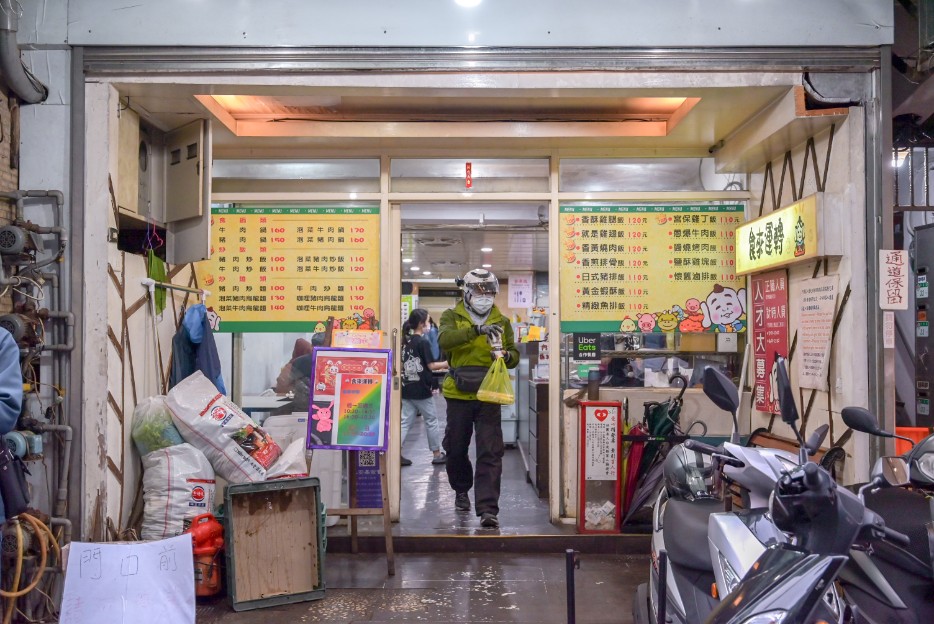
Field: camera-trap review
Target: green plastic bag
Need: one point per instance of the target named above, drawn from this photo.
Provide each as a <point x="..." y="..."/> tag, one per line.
<point x="496" y="387"/>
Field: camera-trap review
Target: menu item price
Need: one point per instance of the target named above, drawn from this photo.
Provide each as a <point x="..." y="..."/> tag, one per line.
<point x="657" y="268"/>
<point x="290" y="268"/>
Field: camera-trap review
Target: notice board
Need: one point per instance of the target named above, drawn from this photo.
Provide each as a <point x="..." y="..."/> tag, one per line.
<point x="281" y="269"/>
<point x="349" y="403"/>
<point x="651" y="269"/>
<point x="817" y="300"/>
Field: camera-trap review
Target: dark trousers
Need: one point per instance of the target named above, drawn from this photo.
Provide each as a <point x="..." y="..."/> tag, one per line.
<point x="463" y="418"/>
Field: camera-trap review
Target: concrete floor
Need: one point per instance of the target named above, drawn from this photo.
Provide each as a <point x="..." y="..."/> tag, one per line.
<point x="468" y="585"/>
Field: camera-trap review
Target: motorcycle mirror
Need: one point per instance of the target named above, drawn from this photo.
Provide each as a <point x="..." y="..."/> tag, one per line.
<point x="786" y="397"/>
<point x="895" y="471"/>
<point x="720" y="390"/>
<point x="816" y="439"/>
<point x="861" y="419"/>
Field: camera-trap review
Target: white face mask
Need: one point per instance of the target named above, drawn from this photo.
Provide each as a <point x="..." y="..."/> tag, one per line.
<point x="481" y="303"/>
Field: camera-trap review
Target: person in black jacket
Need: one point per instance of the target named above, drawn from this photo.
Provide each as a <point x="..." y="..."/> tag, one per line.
<point x="418" y="383"/>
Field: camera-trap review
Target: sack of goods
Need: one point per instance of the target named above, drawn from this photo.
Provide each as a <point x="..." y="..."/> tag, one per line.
<point x="239" y="450"/>
<point x="178" y="485"/>
<point x="153" y="428"/>
<point x="497" y="386"/>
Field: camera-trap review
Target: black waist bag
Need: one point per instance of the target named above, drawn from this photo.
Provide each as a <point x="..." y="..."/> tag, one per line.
<point x="468" y="378"/>
<point x="13" y="487"/>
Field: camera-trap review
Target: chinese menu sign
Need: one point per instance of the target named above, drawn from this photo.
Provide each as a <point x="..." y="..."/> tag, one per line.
<point x="651" y="269"/>
<point x="893" y="279"/>
<point x="770" y="334"/>
<point x="520" y="290"/>
<point x="817" y="300"/>
<point x="779" y="238"/>
<point x="349" y="406"/>
<point x="290" y="268"/>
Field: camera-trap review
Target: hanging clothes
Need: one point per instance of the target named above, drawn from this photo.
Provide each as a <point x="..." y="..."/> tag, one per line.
<point x="193" y="349"/>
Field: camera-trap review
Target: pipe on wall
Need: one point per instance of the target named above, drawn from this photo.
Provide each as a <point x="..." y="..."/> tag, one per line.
<point x="20" y="80"/>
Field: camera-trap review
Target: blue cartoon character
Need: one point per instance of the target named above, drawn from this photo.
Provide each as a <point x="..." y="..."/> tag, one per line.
<point x="725" y="310"/>
<point x="679" y="312"/>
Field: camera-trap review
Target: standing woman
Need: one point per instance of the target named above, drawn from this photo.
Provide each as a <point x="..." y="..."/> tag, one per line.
<point x="418" y="383"/>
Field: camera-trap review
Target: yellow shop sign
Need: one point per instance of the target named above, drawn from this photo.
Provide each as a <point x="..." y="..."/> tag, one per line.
<point x="783" y="237"/>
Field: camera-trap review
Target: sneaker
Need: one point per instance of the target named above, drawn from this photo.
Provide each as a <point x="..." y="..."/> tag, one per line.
<point x="461" y="501"/>
<point x="404" y="461"/>
<point x="489" y="520"/>
<point x="439" y="459"/>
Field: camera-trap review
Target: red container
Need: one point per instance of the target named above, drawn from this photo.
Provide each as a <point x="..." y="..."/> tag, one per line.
<point x="915" y="433"/>
<point x="207" y="543"/>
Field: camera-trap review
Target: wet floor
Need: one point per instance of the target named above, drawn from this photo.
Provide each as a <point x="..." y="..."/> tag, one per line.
<point x="462" y="586"/>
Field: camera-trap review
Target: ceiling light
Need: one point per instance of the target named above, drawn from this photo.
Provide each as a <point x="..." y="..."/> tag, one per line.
<point x="486" y="249"/>
<point x="426" y="272"/>
<point x="468" y="4"/>
<point x="486" y="266"/>
<point x="414" y="268"/>
<point x="406" y="260"/>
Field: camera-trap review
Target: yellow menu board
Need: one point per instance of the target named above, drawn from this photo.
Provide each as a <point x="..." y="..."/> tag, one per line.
<point x="651" y="269"/>
<point x="279" y="269"/>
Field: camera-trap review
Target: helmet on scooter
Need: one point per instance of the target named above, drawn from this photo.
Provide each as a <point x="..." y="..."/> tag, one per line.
<point x="688" y="474"/>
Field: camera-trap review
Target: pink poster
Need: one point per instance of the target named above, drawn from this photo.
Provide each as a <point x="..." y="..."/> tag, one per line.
<point x="770" y="334"/>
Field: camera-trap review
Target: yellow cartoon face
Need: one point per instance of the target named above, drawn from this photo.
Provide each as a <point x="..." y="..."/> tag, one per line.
<point x="320" y="327"/>
<point x="667" y="321"/>
<point x="349" y="323"/>
<point x="627" y="325"/>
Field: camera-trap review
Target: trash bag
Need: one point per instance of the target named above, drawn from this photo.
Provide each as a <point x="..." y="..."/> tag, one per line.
<point x="153" y="428"/>
<point x="496" y="387"/>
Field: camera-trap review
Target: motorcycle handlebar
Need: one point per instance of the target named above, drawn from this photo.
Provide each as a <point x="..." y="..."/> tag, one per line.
<point x="896" y="536"/>
<point x="700" y="447"/>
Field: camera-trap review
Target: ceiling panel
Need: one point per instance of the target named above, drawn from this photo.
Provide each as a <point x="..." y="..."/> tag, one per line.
<point x="450" y="252"/>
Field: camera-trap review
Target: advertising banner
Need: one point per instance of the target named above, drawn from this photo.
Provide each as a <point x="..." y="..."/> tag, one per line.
<point x="281" y="269"/>
<point x="651" y="269"/>
<point x="770" y="334"/>
<point x="349" y="407"/>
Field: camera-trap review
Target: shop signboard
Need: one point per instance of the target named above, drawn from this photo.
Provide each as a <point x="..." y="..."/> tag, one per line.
<point x="782" y="237"/>
<point x="651" y="269"/>
<point x="520" y="290"/>
<point x="817" y="299"/>
<point x="769" y="334"/>
<point x="349" y="407"/>
<point x="587" y="347"/>
<point x="281" y="269"/>
<point x="600" y="467"/>
<point x="894" y="276"/>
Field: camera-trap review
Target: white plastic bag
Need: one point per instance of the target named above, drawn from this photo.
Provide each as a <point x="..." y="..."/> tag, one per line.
<point x="291" y="463"/>
<point x="153" y="428"/>
<point x="178" y="484"/>
<point x="238" y="448"/>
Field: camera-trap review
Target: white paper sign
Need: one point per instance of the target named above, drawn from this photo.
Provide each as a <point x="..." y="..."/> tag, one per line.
<point x="520" y="290"/>
<point x="817" y="300"/>
<point x="894" y="277"/>
<point x="888" y="330"/>
<point x="601" y="433"/>
<point x="142" y="583"/>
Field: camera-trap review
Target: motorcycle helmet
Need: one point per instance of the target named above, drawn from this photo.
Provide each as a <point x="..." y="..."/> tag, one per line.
<point x="688" y="474"/>
<point x="479" y="287"/>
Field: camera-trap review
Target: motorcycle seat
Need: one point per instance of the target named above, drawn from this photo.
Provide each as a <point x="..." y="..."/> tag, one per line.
<point x="685" y="526"/>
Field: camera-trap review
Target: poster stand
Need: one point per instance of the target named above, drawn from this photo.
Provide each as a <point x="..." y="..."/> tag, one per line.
<point x="349" y="410"/>
<point x="599" y="487"/>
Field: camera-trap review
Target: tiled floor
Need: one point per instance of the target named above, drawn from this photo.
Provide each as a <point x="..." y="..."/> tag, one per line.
<point x="459" y="586"/>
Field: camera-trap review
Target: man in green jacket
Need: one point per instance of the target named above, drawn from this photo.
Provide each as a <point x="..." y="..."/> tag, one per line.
<point x="472" y="334"/>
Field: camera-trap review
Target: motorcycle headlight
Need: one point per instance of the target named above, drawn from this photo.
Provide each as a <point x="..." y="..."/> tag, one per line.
<point x="925" y="464"/>
<point x="730" y="577"/>
<point x="769" y="617"/>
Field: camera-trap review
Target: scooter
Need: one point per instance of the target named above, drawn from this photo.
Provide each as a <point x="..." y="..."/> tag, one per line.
<point x="686" y="513"/>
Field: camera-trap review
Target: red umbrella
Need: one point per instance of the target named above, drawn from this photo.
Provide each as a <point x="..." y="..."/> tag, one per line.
<point x="632" y="465"/>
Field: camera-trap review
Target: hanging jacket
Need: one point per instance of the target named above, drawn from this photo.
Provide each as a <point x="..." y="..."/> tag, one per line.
<point x="464" y="346"/>
<point x="193" y="349"/>
<point x="11" y="388"/>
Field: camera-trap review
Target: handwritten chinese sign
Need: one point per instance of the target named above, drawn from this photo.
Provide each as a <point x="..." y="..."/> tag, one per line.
<point x="817" y="299"/>
<point x="144" y="583"/>
<point x="600" y="466"/>
<point x="278" y="269"/>
<point x="894" y="278"/>
<point x="779" y="238"/>
<point x="651" y="269"/>
<point x="770" y="334"/>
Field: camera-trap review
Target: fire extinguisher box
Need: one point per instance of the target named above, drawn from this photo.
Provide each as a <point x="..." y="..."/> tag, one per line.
<point x="598" y="508"/>
<point x="275" y="540"/>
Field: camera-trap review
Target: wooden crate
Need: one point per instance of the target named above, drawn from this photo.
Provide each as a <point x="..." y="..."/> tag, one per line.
<point x="275" y="543"/>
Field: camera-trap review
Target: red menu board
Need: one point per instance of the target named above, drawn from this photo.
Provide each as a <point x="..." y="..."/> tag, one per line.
<point x="770" y="334"/>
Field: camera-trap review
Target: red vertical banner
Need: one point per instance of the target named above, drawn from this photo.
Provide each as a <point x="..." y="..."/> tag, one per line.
<point x="468" y="178"/>
<point x="770" y="334"/>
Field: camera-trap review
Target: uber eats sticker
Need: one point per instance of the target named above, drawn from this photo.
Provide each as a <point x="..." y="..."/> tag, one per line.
<point x="587" y="346"/>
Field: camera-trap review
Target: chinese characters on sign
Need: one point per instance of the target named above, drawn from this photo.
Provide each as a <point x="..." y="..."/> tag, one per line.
<point x="781" y="237"/>
<point x="600" y="465"/>
<point x="520" y="290"/>
<point x="651" y="269"/>
<point x="290" y="268"/>
<point x="894" y="276"/>
<point x="770" y="334"/>
<point x="817" y="300"/>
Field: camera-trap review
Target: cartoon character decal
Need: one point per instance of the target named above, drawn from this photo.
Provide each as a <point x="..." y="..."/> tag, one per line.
<point x="725" y="310"/>
<point x="799" y="237"/>
<point x="646" y="323"/>
<point x="370" y="321"/>
<point x="667" y="321"/>
<point x="320" y="327"/>
<point x="214" y="320"/>
<point x="348" y="323"/>
<point x="323" y="416"/>
<point x="679" y="312"/>
<point x="371" y="368"/>
<point x="628" y="325"/>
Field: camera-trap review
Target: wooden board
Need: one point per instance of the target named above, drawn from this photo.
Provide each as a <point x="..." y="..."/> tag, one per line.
<point x="274" y="536"/>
